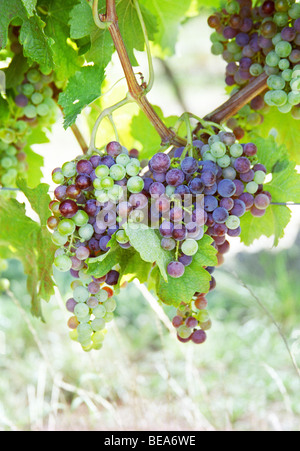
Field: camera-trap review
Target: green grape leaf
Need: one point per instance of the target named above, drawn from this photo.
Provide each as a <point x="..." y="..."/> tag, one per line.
<point x="283" y="126"/>
<point x="195" y="278"/>
<point x="4" y="109"/>
<point x="273" y="223"/>
<point x="30" y="6"/>
<point x="147" y="242"/>
<point x="170" y="14"/>
<point x="82" y="89"/>
<point x="36" y="45"/>
<point x="143" y="131"/>
<point x="15" y="71"/>
<point x="135" y="268"/>
<point x="64" y="54"/>
<point x="30" y="242"/>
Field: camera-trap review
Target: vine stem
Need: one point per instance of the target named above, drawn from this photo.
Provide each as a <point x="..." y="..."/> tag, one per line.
<point x="135" y="91"/>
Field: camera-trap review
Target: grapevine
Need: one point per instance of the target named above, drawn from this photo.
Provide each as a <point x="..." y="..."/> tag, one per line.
<point x="165" y="216"/>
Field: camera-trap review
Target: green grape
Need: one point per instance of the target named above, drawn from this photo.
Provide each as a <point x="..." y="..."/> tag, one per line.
<point x="135" y="185"/>
<point x="287" y="74"/>
<point x="208" y="156"/>
<point x="277" y="38"/>
<point x="276" y="82"/>
<point x="30" y="111"/>
<point x="86" y="232"/>
<point x="217" y="48"/>
<point x="98" y="337"/>
<point x="109" y="316"/>
<point x="294" y="98"/>
<point x="81" y="218"/>
<point x="285" y="108"/>
<point x="132" y="168"/>
<point x="296" y="113"/>
<point x="7" y="135"/>
<point x="6" y="163"/>
<point x="232" y="222"/>
<point x="4" y="284"/>
<point x="184" y="331"/>
<point x="279" y="98"/>
<point x="117" y="172"/>
<point x="97" y="184"/>
<point x="224" y="162"/>
<point x="256" y="69"/>
<point x="101" y="196"/>
<point x="110" y="305"/>
<point x="123" y="159"/>
<point x="284" y="64"/>
<point x="102" y="295"/>
<point x="84" y="330"/>
<point x="43" y="109"/>
<point x="121" y="237"/>
<point x="33" y="76"/>
<point x="58" y="239"/>
<point x="27" y="89"/>
<point x="69" y="169"/>
<point x="259" y="177"/>
<point x="63" y="263"/>
<point x="37" y="98"/>
<point x="102" y="171"/>
<point x="294" y="11"/>
<point x="66" y="227"/>
<point x="251" y="187"/>
<point x="218" y="149"/>
<point x="202" y="316"/>
<point x="281" y="19"/>
<point x="48" y="92"/>
<point x="272" y="59"/>
<point x="189" y="247"/>
<point x="295" y="84"/>
<point x="283" y="49"/>
<point x="115" y="193"/>
<point x="236" y="150"/>
<point x="107" y="182"/>
<point x="81" y="310"/>
<point x="98" y="324"/>
<point x="58" y="177"/>
<point x="81" y="294"/>
<point x="11" y="151"/>
<point x="99" y="311"/>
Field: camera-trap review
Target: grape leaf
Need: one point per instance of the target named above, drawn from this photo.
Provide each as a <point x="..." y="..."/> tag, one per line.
<point x="147" y="242"/>
<point x="30" y="242"/>
<point x="283" y="126"/>
<point x="135" y="268"/>
<point x="15" y="71"/>
<point x="65" y="56"/>
<point x="170" y="14"/>
<point x="195" y="278"/>
<point x="82" y="89"/>
<point x="30" y="6"/>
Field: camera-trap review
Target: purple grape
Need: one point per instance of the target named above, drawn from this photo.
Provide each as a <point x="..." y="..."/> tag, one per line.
<point x="229" y="33"/>
<point x="242" y="39"/>
<point x="199" y="216"/>
<point x="210" y="203"/>
<point x="196" y="186"/>
<point x="166" y="229"/>
<point x="159" y="177"/>
<point x="176" y="269"/>
<point x="210" y="190"/>
<point x="220" y="215"/>
<point x="247" y="199"/>
<point x="84" y="167"/>
<point x="297" y="25"/>
<point x="178" y="152"/>
<point x="103" y="243"/>
<point x="208" y="178"/>
<point x="227" y="203"/>
<point x="175" y="177"/>
<point x="94" y="244"/>
<point x="92" y="207"/>
<point x="234" y="233"/>
<point x="147" y="183"/>
<point x="262" y="202"/>
<point x="189" y="165"/>
<point x="239" y="187"/>
<point x="247" y="176"/>
<point x="160" y="163"/>
<point x="93" y="287"/>
<point x="226" y="188"/>
<point x="199" y="336"/>
<point x="107" y="160"/>
<point x="191" y="322"/>
<point x="182" y="190"/>
<point x="112" y="277"/>
<point x="95" y="160"/>
<point x="186" y="260"/>
<point x="250" y="149"/>
<point x="21" y="100"/>
<point x="60" y="192"/>
<point x="70" y="305"/>
<point x="113" y="149"/>
<point x="242" y="165"/>
<point x="239" y="208"/>
<point x="288" y="34"/>
<point x="68" y="208"/>
<point x="157" y="189"/>
<point x="82" y="253"/>
<point x="83" y="182"/>
<point x="179" y="233"/>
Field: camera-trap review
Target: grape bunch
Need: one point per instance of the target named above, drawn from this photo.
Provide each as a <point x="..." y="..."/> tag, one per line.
<point x="261" y="39"/>
<point x="90" y="206"/>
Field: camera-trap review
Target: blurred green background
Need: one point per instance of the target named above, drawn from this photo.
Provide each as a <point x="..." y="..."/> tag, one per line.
<point x="244" y="378"/>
